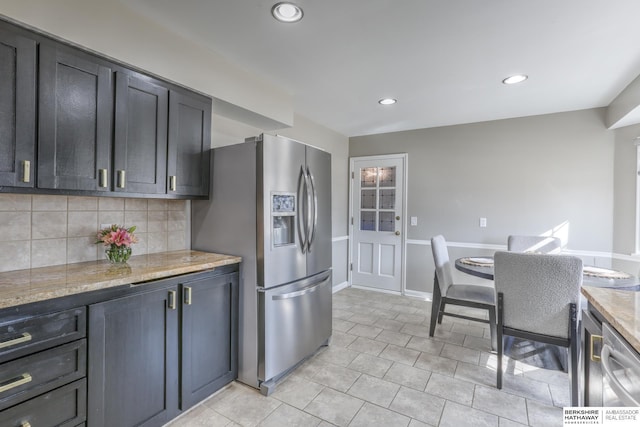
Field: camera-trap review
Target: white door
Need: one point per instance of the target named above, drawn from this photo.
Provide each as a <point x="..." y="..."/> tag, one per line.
<point x="377" y="221"/>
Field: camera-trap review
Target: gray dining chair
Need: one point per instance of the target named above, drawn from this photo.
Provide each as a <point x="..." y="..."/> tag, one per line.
<point x="468" y="295"/>
<point x="538" y="299"/>
<point x="535" y="244"/>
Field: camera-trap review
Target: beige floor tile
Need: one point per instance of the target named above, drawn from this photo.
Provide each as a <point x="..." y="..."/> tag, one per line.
<point x="336" y="377"/>
<point x="451" y="389"/>
<point x="365" y="331"/>
<point x="502" y="404"/>
<point x="418" y="405"/>
<point x="337" y="356"/>
<point x="335" y="407"/>
<point x="244" y="405"/>
<point x="371" y="365"/>
<point x="456" y="415"/>
<point x="372" y="415"/>
<point x="297" y="391"/>
<point x="201" y="416"/>
<point x="438" y="364"/>
<point x="367" y="345"/>
<point x="289" y="416"/>
<point x="400" y="354"/>
<point x="374" y="390"/>
<point x="543" y="415"/>
<point x="425" y="345"/>
<point x="393" y="337"/>
<point x="463" y="354"/>
<point x="408" y="376"/>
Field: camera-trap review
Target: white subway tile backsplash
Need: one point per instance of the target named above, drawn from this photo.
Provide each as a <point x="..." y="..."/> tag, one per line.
<point x="38" y="231"/>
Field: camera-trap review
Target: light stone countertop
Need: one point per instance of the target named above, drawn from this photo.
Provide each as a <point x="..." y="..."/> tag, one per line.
<point x="620" y="308"/>
<point x="38" y="284"/>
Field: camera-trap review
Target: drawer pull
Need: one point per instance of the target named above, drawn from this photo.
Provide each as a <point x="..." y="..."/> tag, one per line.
<point x="187" y="295"/>
<point x="26" y="336"/>
<point x="24" y="378"/>
<point x="592" y="355"/>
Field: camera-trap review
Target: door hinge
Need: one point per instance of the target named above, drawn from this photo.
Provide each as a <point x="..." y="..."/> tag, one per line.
<point x="351" y="220"/>
<point x="353" y="175"/>
<point x="351" y="266"/>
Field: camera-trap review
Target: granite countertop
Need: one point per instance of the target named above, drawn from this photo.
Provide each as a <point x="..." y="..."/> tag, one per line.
<point x="620" y="308"/>
<point x="38" y="284"/>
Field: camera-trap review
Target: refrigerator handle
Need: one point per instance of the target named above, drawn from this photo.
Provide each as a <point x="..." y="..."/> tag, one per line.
<point x="315" y="209"/>
<point x="309" y="218"/>
<point x="302" y="184"/>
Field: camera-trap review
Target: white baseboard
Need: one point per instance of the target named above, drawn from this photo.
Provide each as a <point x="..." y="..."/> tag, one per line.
<point x="340" y="286"/>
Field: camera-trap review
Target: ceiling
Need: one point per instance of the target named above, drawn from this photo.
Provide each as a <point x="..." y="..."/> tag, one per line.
<point x="443" y="60"/>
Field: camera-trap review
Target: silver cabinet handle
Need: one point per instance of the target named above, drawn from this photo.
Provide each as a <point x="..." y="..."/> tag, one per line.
<point x="102" y="178"/>
<point x="607" y="354"/>
<point x="122" y="175"/>
<point x="26" y="171"/>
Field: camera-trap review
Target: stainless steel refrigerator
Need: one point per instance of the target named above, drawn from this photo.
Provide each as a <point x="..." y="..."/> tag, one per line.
<point x="270" y="203"/>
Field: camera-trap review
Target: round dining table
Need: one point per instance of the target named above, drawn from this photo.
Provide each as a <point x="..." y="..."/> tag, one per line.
<point x="482" y="266"/>
<point x="542" y="355"/>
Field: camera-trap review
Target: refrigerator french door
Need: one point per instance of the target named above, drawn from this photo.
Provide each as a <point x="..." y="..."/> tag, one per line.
<point x="270" y="203"/>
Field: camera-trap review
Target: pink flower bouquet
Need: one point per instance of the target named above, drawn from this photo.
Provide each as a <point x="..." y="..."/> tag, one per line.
<point x="118" y="241"/>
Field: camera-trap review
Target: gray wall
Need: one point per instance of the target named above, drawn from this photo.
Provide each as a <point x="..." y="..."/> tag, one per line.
<point x="625" y="172"/>
<point x="531" y="175"/>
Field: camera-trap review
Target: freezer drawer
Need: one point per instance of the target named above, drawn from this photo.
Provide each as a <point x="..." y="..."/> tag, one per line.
<point x="295" y="322"/>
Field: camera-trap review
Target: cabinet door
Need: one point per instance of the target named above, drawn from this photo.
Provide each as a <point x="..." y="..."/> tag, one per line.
<point x="75" y="110"/>
<point x="189" y="144"/>
<point x="140" y="157"/>
<point x="209" y="336"/>
<point x="133" y="359"/>
<point x="17" y="109"/>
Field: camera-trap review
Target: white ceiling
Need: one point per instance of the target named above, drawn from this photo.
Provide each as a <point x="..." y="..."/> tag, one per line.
<point x="442" y="59"/>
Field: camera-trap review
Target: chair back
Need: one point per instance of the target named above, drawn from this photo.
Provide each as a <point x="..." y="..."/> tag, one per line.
<point x="442" y="263"/>
<point x="538" y="290"/>
<point x="535" y="244"/>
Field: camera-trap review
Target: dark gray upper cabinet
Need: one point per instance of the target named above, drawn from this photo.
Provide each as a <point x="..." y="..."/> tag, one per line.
<point x="75" y="111"/>
<point x="17" y="109"/>
<point x="189" y="144"/>
<point x="140" y="150"/>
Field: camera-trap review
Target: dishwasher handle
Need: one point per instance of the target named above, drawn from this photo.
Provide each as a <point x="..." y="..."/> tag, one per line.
<point x="607" y="354"/>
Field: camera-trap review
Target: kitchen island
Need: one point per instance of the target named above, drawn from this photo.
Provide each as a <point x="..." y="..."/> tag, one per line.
<point x="126" y="345"/>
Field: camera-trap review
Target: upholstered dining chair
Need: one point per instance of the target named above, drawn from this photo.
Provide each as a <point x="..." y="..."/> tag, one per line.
<point x="538" y="299"/>
<point x="535" y="244"/>
<point x="468" y="295"/>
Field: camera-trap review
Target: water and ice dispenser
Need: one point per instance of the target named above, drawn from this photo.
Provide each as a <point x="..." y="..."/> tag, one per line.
<point x="283" y="214"/>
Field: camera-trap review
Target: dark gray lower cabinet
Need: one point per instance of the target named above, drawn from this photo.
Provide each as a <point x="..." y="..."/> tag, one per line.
<point x="154" y="354"/>
<point x="133" y="354"/>
<point x="209" y="336"/>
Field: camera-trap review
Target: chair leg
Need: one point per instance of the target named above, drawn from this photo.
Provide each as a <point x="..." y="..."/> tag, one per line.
<point x="441" y="312"/>
<point x="435" y="305"/>
<point x="574" y="348"/>
<point x="493" y="328"/>
<point x="499" y="342"/>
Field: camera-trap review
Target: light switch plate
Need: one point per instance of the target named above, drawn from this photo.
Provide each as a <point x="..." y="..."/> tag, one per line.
<point x="414" y="220"/>
<point x="483" y="222"/>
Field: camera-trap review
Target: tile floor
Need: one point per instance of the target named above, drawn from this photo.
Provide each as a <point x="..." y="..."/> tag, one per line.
<point x="382" y="369"/>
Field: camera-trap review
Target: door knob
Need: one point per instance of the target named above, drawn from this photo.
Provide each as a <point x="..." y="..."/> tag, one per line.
<point x="398" y="218"/>
<point x="397" y="233"/>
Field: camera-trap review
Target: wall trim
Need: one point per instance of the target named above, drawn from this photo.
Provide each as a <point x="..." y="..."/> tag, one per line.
<point x="340" y="286"/>
<point x="339" y="239"/>
<point x="576" y="252"/>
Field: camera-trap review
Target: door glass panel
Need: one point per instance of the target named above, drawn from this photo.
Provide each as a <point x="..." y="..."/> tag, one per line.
<point x="387" y="176"/>
<point x="368" y="199"/>
<point x="386" y="221"/>
<point x="368" y="177"/>
<point x="387" y="199"/>
<point x="368" y="221"/>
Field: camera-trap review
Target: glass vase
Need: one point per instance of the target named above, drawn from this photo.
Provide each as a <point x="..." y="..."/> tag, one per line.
<point x="118" y="254"/>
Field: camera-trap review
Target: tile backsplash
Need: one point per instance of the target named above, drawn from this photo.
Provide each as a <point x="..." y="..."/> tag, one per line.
<point x="38" y="231"/>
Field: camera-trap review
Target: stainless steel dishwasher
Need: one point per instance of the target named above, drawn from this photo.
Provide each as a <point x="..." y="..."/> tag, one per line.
<point x="620" y="370"/>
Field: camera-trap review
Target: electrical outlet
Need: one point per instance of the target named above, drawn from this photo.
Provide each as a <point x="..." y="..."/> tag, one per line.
<point x="414" y="220"/>
<point x="483" y="222"/>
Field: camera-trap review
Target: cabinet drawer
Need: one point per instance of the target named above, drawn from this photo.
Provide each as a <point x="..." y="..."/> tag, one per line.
<point x="27" y="336"/>
<point x="30" y="376"/>
<point x="63" y="407"/>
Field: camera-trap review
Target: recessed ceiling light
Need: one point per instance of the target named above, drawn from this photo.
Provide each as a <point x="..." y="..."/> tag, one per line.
<point x="518" y="78"/>
<point x="387" y="101"/>
<point x="286" y="12"/>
